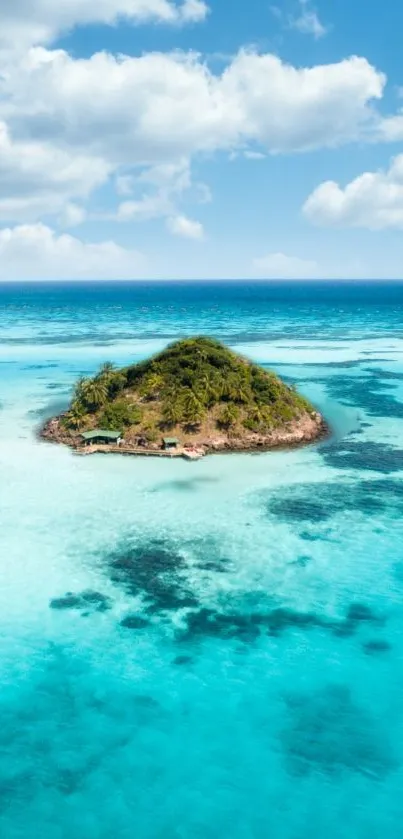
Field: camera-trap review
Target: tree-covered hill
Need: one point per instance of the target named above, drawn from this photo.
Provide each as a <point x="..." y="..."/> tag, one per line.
<point x="197" y="387"/>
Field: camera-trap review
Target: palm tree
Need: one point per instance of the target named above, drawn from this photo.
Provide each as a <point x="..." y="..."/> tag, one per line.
<point x="154" y="383"/>
<point x="261" y="416"/>
<point x="207" y="389"/>
<point x="95" y="393"/>
<point x="193" y="408"/>
<point x="236" y="389"/>
<point x="106" y="374"/>
<point x="228" y="416"/>
<point x="76" y="415"/>
<point x="214" y="388"/>
<point x="80" y="389"/>
<point x="106" y="369"/>
<point x="172" y="412"/>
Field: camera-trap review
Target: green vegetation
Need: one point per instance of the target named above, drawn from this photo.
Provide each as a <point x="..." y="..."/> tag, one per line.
<point x="119" y="415"/>
<point x="194" y="385"/>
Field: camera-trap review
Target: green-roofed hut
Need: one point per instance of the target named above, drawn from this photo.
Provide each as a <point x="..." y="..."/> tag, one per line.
<point x="100" y="436"/>
<point x="170" y="443"/>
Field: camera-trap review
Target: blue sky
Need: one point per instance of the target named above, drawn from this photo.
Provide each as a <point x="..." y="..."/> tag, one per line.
<point x="201" y="139"/>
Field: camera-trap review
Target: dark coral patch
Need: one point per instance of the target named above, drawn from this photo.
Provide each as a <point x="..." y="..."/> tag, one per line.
<point x="300" y="509"/>
<point x="182" y="660"/>
<point x="207" y="622"/>
<point x="310" y="537"/>
<point x="385" y="375"/>
<point x="249" y="626"/>
<point x="375" y="647"/>
<point x="318" y="502"/>
<point x="360" y="612"/>
<point x="357" y="613"/>
<point x="134" y="622"/>
<point x="218" y="565"/>
<point x="69" y="601"/>
<point x="373" y="393"/>
<point x="87" y="599"/>
<point x="328" y="732"/>
<point x="303" y="560"/>
<point x="154" y="570"/>
<point x="369" y="456"/>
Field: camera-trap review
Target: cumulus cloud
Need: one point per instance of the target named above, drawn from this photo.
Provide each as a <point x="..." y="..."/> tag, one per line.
<point x="279" y="266"/>
<point x="374" y="200"/>
<point x="146" y="208"/>
<point x="185" y="227"/>
<point x="193" y="11"/>
<point x="157" y="191"/>
<point x="36" y="252"/>
<point x="67" y="126"/>
<point x="37" y="178"/>
<point x="41" y="21"/>
<point x="178" y="106"/>
<point x="390" y="129"/>
<point x="307" y="21"/>
<point x="72" y="215"/>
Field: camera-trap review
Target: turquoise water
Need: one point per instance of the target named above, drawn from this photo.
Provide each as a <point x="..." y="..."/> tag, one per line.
<point x="228" y="658"/>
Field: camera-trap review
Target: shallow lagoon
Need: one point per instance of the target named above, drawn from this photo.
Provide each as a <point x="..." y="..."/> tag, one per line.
<point x="228" y="657"/>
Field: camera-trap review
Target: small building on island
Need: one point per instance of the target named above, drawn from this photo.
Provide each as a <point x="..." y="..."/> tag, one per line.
<point x="170" y="444"/>
<point x="100" y="436"/>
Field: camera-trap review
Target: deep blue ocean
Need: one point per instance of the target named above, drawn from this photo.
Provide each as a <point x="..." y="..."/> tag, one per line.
<point x="211" y="649"/>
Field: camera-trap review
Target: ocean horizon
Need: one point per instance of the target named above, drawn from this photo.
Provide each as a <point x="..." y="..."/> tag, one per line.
<point x="269" y="705"/>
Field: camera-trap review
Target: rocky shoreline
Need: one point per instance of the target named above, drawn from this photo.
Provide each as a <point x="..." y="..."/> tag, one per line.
<point x="306" y="430"/>
<point x="196" y="397"/>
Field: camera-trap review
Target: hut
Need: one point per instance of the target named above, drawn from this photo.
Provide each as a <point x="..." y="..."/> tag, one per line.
<point x="100" y="436"/>
<point x="170" y="444"/>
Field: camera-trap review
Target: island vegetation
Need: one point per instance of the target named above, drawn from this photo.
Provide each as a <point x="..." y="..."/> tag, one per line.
<point x="199" y="392"/>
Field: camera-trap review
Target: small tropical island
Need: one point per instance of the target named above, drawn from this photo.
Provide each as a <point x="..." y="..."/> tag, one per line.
<point x="194" y="398"/>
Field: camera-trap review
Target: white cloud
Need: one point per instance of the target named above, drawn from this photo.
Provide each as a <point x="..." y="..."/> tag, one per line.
<point x="374" y="200"/>
<point x="279" y="266"/>
<point x="186" y="227"/>
<point x="35" y="252"/>
<point x="70" y="124"/>
<point x="193" y="11"/>
<point x="124" y="184"/>
<point x="390" y="129"/>
<point x="72" y="215"/>
<point x="37" y="178"/>
<point x="28" y="22"/>
<point x="254" y="155"/>
<point x="158" y="190"/>
<point x="179" y="107"/>
<point x="146" y="208"/>
<point x="307" y="21"/>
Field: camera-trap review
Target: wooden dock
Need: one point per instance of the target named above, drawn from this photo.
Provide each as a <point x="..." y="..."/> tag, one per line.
<point x="184" y="453"/>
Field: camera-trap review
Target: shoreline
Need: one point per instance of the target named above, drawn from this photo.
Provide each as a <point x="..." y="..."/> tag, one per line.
<point x="302" y="436"/>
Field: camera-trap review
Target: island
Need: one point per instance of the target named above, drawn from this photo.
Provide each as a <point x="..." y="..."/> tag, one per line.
<point x="194" y="398"/>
